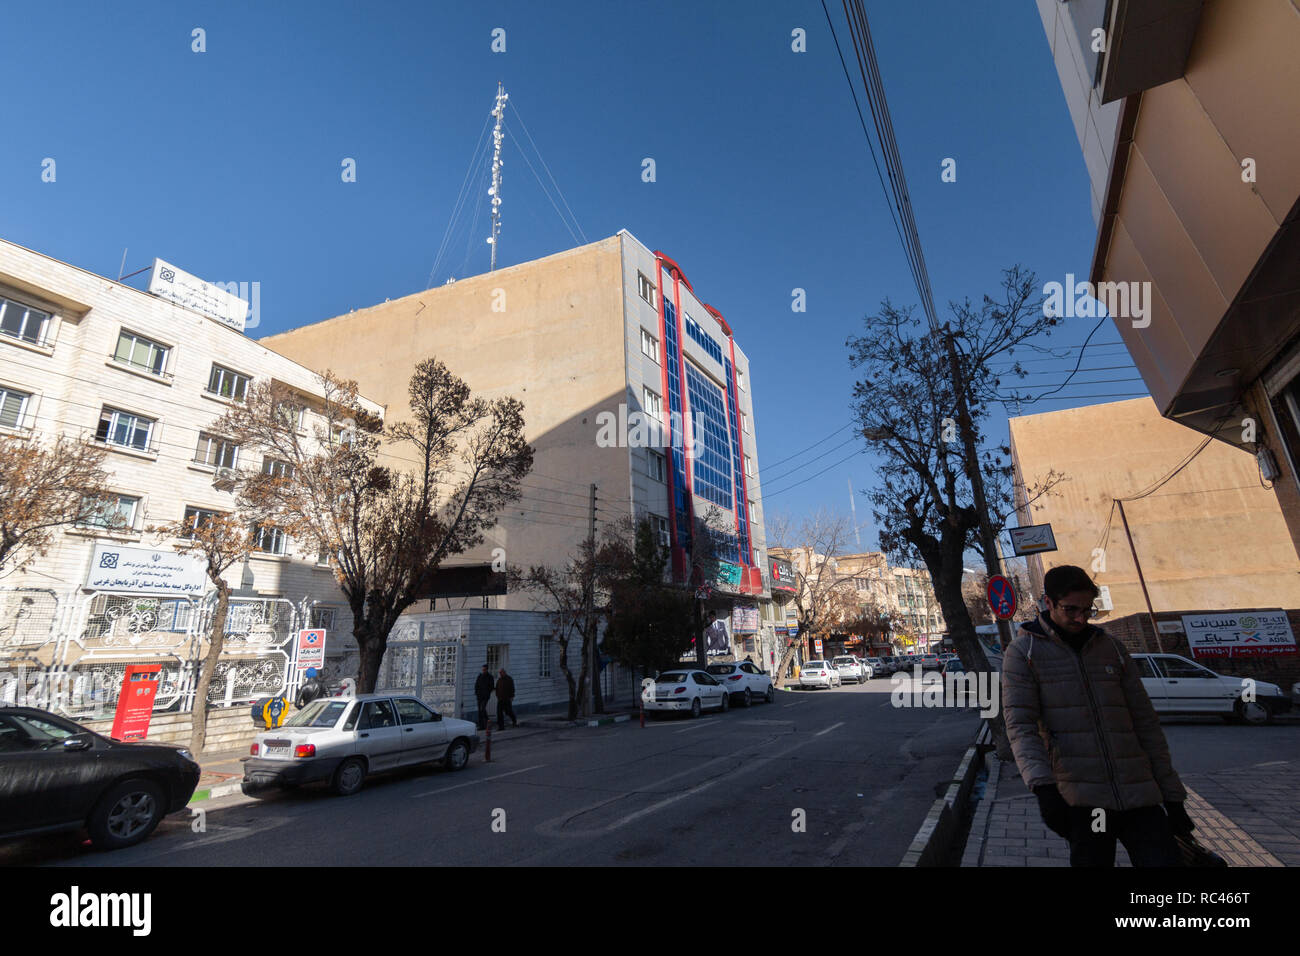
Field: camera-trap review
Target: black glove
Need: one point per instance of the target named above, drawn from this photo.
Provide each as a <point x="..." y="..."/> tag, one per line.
<point x="1054" y="809"/>
<point x="1179" y="821"/>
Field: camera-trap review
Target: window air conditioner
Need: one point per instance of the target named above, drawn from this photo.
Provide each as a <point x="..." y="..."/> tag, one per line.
<point x="1102" y="602"/>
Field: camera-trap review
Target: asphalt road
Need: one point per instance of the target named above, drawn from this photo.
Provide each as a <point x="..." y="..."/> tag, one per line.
<point x="725" y="789"/>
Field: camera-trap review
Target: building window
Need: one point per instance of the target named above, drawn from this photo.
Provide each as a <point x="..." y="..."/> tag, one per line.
<point x="544" y="644"/>
<point x="646" y="288"/>
<point x="711" y="465"/>
<point x="749" y="467"/>
<point x="268" y="539"/>
<point x="197" y="519"/>
<point x="654" y="405"/>
<point x="290" y="415"/>
<point x="22" y="322"/>
<point x="744" y="423"/>
<point x="703" y="339"/>
<point x="660" y="525"/>
<point x="497" y="655"/>
<point x="13" y="406"/>
<point x="752" y="512"/>
<point x="276" y="468"/>
<point x="141" y="353"/>
<point x="740" y="378"/>
<point x="323" y="617"/>
<point x="655" y="465"/>
<point x="228" y="383"/>
<point x="117" y="427"/>
<point x="649" y="346"/>
<point x="216" y="452"/>
<point x="113" y="512"/>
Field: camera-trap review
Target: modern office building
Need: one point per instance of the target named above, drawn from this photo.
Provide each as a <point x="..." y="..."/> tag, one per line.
<point x="1210" y="537"/>
<point x="630" y="382"/>
<point x="144" y="377"/>
<point x="1186" y="115"/>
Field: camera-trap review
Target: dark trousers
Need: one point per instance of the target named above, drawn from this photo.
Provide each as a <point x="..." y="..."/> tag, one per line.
<point x="482" y="713"/>
<point x="506" y="707"/>
<point x="1145" y="833"/>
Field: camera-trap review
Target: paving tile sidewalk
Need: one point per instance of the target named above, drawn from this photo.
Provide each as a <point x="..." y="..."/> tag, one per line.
<point x="1249" y="817"/>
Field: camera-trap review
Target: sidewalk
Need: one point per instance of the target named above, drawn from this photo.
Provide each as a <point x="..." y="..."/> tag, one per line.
<point x="1254" y="819"/>
<point x="223" y="770"/>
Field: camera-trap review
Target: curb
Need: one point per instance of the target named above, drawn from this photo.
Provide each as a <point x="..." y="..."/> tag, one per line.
<point x="212" y="793"/>
<point x="974" y="852"/>
<point x="606" y="721"/>
<point x="934" y="839"/>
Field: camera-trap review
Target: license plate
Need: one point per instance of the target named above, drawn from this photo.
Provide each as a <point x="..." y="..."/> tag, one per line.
<point x="277" y="751"/>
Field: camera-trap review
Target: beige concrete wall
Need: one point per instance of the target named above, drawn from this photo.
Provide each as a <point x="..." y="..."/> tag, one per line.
<point x="1211" y="537"/>
<point x="550" y="332"/>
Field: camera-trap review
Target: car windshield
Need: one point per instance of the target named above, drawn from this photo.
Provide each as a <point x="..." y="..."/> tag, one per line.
<point x="815" y="664"/>
<point x="319" y="713"/>
<point x="845" y="660"/>
<point x="672" y="677"/>
<point x="720" y="668"/>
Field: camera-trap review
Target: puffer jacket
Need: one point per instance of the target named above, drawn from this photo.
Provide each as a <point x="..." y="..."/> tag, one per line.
<point x="1084" y="722"/>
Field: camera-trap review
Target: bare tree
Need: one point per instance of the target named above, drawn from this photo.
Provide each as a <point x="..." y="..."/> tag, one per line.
<point x="387" y="530"/>
<point x="43" y="488"/>
<point x="221" y="541"/>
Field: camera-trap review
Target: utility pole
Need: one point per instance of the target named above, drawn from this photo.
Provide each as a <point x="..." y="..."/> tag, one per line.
<point x="1151" y="614"/>
<point x="988" y="536"/>
<point x="590" y="702"/>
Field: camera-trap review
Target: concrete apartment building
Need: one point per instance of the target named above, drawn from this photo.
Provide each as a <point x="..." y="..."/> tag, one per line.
<point x="611" y="349"/>
<point x="1186" y="115"/>
<point x="1211" y="538"/>
<point x="85" y="356"/>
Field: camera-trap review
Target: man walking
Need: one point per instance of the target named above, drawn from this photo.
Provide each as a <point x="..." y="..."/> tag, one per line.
<point x="482" y="692"/>
<point x="1085" y="736"/>
<point x="505" y="700"/>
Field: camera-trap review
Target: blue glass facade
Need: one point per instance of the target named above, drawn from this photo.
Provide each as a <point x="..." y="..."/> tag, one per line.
<point x="741" y="505"/>
<point x="672" y="357"/>
<point x="711" y="464"/>
<point x="703" y="339"/>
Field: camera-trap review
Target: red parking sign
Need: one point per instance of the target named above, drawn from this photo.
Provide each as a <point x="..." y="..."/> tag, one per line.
<point x="1002" y="598"/>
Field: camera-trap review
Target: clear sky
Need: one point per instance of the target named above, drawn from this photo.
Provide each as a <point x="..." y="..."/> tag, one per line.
<point x="227" y="163"/>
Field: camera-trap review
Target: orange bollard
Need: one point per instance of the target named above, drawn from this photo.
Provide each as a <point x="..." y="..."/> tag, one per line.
<point x="487" y="748"/>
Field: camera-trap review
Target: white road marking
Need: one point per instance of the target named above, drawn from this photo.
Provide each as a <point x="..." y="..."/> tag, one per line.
<point x="829" y="729"/>
<point x="691" y="727"/>
<point x="471" y="783"/>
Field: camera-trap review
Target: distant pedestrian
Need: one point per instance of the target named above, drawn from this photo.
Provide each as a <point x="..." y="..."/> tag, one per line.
<point x="483" y="688"/>
<point x="1085" y="736"/>
<point x="505" y="700"/>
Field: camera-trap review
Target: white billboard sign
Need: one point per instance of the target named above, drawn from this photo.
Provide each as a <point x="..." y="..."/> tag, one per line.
<point x="1245" y="634"/>
<point x="169" y="282"/>
<point x="1033" y="539"/>
<point x="141" y="571"/>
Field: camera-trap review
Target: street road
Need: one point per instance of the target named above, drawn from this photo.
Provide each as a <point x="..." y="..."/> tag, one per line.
<point x="725" y="789"/>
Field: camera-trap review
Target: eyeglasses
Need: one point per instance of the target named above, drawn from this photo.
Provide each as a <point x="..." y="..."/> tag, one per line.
<point x="1073" y="610"/>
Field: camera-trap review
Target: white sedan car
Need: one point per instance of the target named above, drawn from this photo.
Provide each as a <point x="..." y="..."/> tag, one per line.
<point x="685" y="690"/>
<point x="819" y="674"/>
<point x="1177" y="685"/>
<point x="744" y="681"/>
<point x="851" y="667"/>
<point x="342" y="740"/>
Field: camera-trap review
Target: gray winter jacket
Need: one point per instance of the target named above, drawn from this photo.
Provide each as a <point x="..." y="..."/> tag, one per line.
<point x="1084" y="721"/>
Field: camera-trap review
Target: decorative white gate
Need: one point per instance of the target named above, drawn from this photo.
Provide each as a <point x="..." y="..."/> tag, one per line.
<point x="422" y="659"/>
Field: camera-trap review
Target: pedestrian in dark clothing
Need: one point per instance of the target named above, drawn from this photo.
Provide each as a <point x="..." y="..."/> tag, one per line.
<point x="483" y="688"/>
<point x="505" y="700"/>
<point x="1086" y="737"/>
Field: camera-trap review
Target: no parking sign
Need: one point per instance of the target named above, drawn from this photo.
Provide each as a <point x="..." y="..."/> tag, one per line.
<point x="1002" y="598"/>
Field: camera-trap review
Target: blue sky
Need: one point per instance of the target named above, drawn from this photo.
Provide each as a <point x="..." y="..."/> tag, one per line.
<point x="227" y="163"/>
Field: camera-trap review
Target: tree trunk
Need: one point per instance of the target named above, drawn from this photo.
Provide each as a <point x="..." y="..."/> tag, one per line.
<point x="701" y="647"/>
<point x="371" y="647"/>
<point x="216" y="640"/>
<point x="568" y="678"/>
<point x="598" y="698"/>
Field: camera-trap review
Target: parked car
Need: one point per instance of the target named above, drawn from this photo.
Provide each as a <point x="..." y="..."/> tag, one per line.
<point x="1177" y="685"/>
<point x="684" y="689"/>
<point x="851" y="668"/>
<point x="952" y="665"/>
<point x="819" y="674"/>
<point x="342" y="740"/>
<point x="744" y="682"/>
<point x="57" y="775"/>
<point x="931" y="662"/>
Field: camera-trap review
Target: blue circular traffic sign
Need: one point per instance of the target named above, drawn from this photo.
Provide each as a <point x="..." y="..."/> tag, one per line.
<point x="1002" y="597"/>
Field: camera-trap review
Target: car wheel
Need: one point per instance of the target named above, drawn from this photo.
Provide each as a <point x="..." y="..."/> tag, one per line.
<point x="770" y="696"/>
<point x="349" y="777"/>
<point x="457" y="755"/>
<point x="126" y="815"/>
<point x="726" y="702"/>
<point x="748" y="698"/>
<point x="695" y="707"/>
<point x="1253" y="713"/>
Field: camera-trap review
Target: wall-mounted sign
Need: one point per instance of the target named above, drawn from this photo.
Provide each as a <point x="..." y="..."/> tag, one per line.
<point x="311" y="649"/>
<point x="744" y="620"/>
<point x="783" y="576"/>
<point x="1169" y="627"/>
<point x="168" y="282"/>
<point x="141" y="571"/>
<point x="728" y="574"/>
<point x="1247" y="634"/>
<point x="1033" y="539"/>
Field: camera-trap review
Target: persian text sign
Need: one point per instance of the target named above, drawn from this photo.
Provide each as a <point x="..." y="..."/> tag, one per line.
<point x="141" y="571"/>
<point x="1248" y="634"/>
<point x="1033" y="539"/>
<point x="168" y="282"/>
<point x="311" y="649"/>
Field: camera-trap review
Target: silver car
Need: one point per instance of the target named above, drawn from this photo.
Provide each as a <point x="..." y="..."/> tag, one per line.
<point x="341" y="740"/>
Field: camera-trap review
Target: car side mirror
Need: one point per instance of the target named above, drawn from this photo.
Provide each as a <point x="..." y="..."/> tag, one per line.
<point x="77" y="742"/>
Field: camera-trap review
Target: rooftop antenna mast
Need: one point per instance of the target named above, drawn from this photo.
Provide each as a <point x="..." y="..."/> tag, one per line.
<point x="499" y="111"/>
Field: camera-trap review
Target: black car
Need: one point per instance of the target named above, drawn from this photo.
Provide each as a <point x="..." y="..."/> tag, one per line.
<point x="57" y="775"/>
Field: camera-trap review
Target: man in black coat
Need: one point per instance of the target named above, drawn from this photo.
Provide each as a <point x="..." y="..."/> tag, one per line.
<point x="505" y="700"/>
<point x="483" y="688"/>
